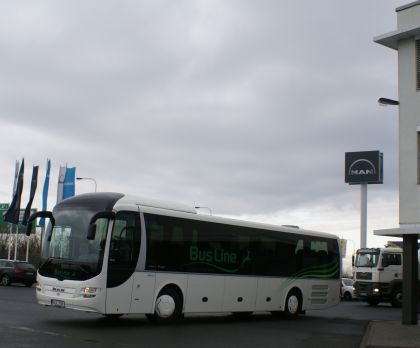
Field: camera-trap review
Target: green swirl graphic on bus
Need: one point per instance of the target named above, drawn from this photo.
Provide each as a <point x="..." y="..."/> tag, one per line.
<point x="327" y="271"/>
<point x="217" y="258"/>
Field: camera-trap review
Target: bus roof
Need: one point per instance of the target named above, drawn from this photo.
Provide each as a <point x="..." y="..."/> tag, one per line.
<point x="158" y="204"/>
<point x="184" y="211"/>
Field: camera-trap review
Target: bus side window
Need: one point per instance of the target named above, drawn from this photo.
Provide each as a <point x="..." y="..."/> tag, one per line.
<point x="320" y="250"/>
<point x="155" y="237"/>
<point x="299" y="254"/>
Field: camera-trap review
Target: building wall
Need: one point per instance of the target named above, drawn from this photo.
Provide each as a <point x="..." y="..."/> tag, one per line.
<point x="408" y="16"/>
<point x="409" y="121"/>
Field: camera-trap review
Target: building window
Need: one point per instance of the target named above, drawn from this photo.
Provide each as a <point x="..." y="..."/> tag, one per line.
<point x="418" y="156"/>
<point x="418" y="63"/>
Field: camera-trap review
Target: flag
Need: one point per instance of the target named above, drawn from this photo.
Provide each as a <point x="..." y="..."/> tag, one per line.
<point x="68" y="186"/>
<point x="12" y="214"/>
<point x="34" y="183"/>
<point x="61" y="175"/>
<point x="45" y="192"/>
<point x="16" y="177"/>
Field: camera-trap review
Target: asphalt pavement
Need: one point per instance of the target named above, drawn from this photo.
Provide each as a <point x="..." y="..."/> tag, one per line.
<point x="354" y="324"/>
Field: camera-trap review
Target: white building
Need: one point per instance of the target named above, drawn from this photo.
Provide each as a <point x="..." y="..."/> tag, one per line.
<point x="406" y="40"/>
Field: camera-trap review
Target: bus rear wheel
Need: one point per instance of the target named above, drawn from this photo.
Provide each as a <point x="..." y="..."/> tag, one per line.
<point x="168" y="307"/>
<point x="293" y="304"/>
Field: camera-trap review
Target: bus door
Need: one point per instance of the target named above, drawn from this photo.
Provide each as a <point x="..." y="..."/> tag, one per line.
<point x="142" y="300"/>
<point x="122" y="260"/>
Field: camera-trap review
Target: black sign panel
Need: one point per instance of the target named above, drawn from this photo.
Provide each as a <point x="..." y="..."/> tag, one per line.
<point x="364" y="167"/>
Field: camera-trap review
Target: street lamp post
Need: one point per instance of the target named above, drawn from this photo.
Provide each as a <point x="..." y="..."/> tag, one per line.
<point x="92" y="179"/>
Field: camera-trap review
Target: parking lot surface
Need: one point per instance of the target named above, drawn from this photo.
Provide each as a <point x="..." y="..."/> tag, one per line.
<point x="23" y="323"/>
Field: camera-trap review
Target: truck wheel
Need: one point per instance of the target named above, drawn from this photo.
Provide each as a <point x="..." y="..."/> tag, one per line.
<point x="347" y="296"/>
<point x="396" y="298"/>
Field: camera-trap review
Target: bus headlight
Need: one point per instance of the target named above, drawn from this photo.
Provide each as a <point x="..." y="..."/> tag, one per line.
<point x="89" y="292"/>
<point x="376" y="290"/>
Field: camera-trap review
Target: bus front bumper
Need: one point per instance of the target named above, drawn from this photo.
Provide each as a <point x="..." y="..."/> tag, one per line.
<point x="83" y="299"/>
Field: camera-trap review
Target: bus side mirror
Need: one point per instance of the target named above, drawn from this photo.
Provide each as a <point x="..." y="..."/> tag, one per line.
<point x="91" y="231"/>
<point x="39" y="214"/>
<point x="92" y="225"/>
<point x="352" y="261"/>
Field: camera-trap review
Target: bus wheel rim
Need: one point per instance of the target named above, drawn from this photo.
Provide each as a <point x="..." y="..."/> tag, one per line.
<point x="165" y="306"/>
<point x="293" y="304"/>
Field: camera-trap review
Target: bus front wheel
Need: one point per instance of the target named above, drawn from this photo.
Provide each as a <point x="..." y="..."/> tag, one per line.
<point x="293" y="304"/>
<point x="168" y="307"/>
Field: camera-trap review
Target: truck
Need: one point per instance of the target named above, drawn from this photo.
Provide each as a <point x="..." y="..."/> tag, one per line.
<point x="377" y="275"/>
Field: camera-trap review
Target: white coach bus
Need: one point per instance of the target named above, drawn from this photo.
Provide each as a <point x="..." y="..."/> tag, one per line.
<point x="115" y="255"/>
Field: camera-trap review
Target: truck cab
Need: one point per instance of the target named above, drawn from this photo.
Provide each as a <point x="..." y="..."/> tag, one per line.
<point x="378" y="275"/>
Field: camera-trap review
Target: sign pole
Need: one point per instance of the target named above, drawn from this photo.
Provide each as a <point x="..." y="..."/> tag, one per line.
<point x="363" y="168"/>
<point x="363" y="215"/>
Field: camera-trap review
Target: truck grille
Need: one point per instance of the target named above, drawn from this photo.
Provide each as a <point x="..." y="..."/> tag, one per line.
<point x="364" y="275"/>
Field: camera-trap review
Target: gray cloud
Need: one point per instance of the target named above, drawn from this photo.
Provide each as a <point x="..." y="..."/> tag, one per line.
<point x="244" y="106"/>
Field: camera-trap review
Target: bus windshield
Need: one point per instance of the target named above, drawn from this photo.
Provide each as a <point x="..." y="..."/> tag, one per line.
<point x="367" y="259"/>
<point x="68" y="254"/>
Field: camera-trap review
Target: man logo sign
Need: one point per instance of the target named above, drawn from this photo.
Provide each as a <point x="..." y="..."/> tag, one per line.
<point x="364" y="167"/>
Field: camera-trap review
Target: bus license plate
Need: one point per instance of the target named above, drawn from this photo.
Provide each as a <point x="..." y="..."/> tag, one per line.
<point x="57" y="303"/>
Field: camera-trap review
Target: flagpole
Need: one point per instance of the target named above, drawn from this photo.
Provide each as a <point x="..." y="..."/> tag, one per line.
<point x="28" y="240"/>
<point x="44" y="198"/>
<point x="61" y="177"/>
<point x="9" y="242"/>
<point x="16" y="238"/>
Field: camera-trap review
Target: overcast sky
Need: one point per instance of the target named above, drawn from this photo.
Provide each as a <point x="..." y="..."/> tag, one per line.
<point x="243" y="106"/>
